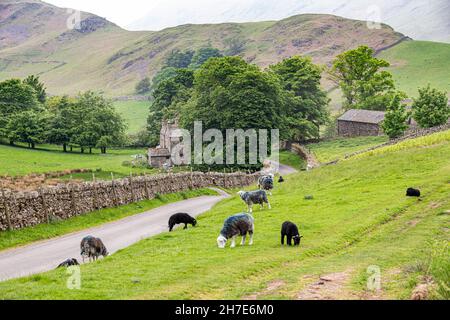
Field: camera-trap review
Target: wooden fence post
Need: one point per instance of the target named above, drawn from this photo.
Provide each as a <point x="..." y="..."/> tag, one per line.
<point x="6" y="206"/>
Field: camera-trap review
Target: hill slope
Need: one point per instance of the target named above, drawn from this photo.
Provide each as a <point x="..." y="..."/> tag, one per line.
<point x="104" y="57"/>
<point x="416" y="63"/>
<point x="359" y="217"/>
<point x="418" y="19"/>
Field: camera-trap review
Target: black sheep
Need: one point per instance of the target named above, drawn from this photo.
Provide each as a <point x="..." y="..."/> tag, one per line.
<point x="290" y="231"/>
<point x="181" y="218"/>
<point x="68" y="263"/>
<point x="92" y="248"/>
<point x="411" y="192"/>
<point x="281" y="180"/>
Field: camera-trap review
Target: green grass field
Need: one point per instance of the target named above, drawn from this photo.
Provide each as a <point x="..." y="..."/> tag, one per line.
<point x="44" y="231"/>
<point x="359" y="218"/>
<point x="18" y="161"/>
<point x="135" y="114"/>
<point x="414" y="64"/>
<point x="331" y="150"/>
<point x="291" y="159"/>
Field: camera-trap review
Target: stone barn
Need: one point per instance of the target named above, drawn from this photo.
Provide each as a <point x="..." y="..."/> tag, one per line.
<point x="355" y="123"/>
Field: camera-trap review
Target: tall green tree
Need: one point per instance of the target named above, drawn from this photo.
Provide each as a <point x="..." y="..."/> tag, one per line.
<point x="61" y="122"/>
<point x="143" y="86"/>
<point x="167" y="98"/>
<point x="179" y="59"/>
<point x="35" y="82"/>
<point x="28" y="127"/>
<point x="202" y="55"/>
<point x="95" y="121"/>
<point x="431" y="108"/>
<point x="394" y="124"/>
<point x="363" y="82"/>
<point x="307" y="103"/>
<point x="15" y="97"/>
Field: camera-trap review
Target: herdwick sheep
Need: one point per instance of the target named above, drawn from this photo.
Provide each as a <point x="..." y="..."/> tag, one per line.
<point x="181" y="218"/>
<point x="258" y="197"/>
<point x="290" y="231"/>
<point x="92" y="248"/>
<point x="237" y="225"/>
<point x="411" y="192"/>
<point x="68" y="263"/>
<point x="266" y="183"/>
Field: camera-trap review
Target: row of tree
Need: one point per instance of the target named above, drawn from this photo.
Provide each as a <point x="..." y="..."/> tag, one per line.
<point x="227" y="92"/>
<point x="28" y="116"/>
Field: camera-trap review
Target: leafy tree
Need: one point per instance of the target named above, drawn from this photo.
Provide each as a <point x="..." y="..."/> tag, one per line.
<point x="163" y="74"/>
<point x="34" y="82"/>
<point x="431" y="108"/>
<point x="202" y="55"/>
<point x="306" y="102"/>
<point x="61" y="124"/>
<point x="361" y="79"/>
<point x="15" y="97"/>
<point x="28" y="126"/>
<point x="179" y="59"/>
<point x="167" y="96"/>
<point x="394" y="124"/>
<point x="96" y="123"/>
<point x="143" y="86"/>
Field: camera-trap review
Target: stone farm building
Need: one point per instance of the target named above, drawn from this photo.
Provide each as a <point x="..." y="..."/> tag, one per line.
<point x="169" y="138"/>
<point x="356" y="123"/>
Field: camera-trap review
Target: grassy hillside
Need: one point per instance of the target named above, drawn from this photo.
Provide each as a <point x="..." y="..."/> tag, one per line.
<point x="135" y="114"/>
<point x="417" y="63"/>
<point x="332" y="150"/>
<point x="359" y="217"/>
<point x="106" y="58"/>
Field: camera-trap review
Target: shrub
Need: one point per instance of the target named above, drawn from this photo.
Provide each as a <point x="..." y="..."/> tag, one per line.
<point x="431" y="108"/>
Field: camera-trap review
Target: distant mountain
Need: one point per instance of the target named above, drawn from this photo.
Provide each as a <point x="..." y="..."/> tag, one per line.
<point x="418" y="19"/>
<point x="35" y="39"/>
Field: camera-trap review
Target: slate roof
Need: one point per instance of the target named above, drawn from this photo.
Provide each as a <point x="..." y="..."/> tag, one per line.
<point x="363" y="116"/>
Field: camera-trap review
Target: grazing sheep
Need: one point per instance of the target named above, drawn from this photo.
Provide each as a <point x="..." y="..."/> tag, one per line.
<point x="181" y="218"/>
<point x="258" y="197"/>
<point x="68" y="263"/>
<point x="411" y="192"/>
<point x="281" y="180"/>
<point x="92" y="248"/>
<point x="237" y="225"/>
<point x="290" y="231"/>
<point x="266" y="183"/>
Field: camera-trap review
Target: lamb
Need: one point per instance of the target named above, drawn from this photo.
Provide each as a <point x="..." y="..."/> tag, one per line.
<point x="290" y="231"/>
<point x="237" y="225"/>
<point x="181" y="218"/>
<point x="266" y="183"/>
<point x="68" y="263"/>
<point x="411" y="192"/>
<point x="258" y="197"/>
<point x="92" y="248"/>
<point x="281" y="180"/>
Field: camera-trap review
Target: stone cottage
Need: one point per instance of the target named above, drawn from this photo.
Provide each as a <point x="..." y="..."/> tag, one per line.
<point x="356" y="123"/>
<point x="170" y="137"/>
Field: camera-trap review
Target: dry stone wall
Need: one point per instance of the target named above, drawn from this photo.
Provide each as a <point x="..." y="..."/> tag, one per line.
<point x="24" y="209"/>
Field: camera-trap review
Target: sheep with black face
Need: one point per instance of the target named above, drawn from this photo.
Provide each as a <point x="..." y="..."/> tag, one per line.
<point x="181" y="218"/>
<point x="237" y="225"/>
<point x="254" y="197"/>
<point x="290" y="231"/>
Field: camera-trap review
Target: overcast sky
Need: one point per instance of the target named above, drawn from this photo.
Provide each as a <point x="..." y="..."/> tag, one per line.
<point x="120" y="12"/>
